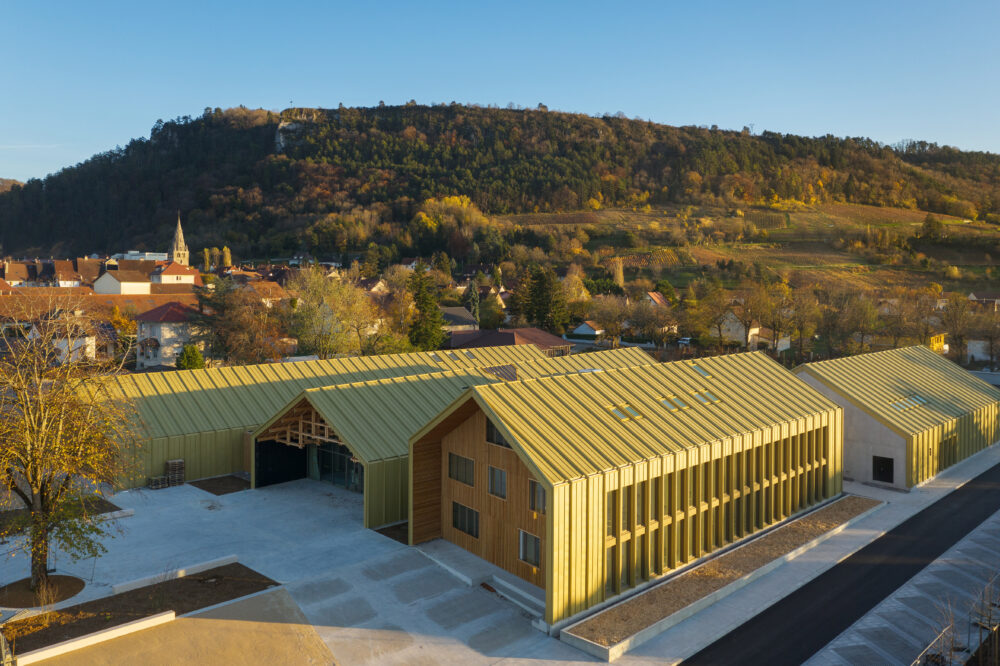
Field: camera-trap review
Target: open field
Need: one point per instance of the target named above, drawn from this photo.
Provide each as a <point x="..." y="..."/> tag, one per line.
<point x="807" y="245"/>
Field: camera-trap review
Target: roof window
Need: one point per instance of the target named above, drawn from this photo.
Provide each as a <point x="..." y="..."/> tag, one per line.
<point x="701" y="371"/>
<point x="468" y="352"/>
<point x="434" y="356"/>
<point x="624" y="412"/>
<point x="673" y="403"/>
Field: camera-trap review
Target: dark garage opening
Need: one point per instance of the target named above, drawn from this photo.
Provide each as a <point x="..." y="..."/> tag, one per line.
<point x="881" y="469"/>
<point x="277" y="463"/>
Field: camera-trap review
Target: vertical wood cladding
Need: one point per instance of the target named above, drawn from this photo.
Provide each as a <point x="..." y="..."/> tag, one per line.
<point x="499" y="519"/>
<point x="607" y="532"/>
<point x="425" y="468"/>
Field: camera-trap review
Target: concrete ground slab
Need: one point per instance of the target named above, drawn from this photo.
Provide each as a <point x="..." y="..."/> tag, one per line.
<point x="265" y="629"/>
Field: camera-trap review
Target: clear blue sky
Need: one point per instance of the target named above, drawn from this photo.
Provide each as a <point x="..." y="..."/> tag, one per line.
<point x="82" y="77"/>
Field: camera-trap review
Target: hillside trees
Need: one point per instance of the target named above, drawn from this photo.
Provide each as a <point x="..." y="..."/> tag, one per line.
<point x="342" y="175"/>
<point x="425" y="331"/>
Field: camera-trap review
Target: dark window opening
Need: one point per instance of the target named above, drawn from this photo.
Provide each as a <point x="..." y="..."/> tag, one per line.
<point x="465" y="519"/>
<point x="881" y="469"/>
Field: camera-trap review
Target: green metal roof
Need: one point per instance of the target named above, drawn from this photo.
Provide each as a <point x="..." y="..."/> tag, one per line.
<point x="574" y="425"/>
<point x="376" y="418"/>
<point x="192" y="401"/>
<point x="909" y="389"/>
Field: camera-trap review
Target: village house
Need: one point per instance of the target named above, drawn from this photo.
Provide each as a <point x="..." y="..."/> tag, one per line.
<point x="162" y="333"/>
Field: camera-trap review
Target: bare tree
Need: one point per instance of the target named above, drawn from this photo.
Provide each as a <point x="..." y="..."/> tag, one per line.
<point x="957" y="321"/>
<point x="64" y="432"/>
<point x="610" y="314"/>
<point x="754" y="303"/>
<point x="805" y="314"/>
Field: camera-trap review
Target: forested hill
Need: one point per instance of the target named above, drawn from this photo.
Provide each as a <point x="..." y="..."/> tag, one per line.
<point x="335" y="180"/>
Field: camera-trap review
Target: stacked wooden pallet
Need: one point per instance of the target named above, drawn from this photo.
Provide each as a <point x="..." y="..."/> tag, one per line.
<point x="175" y="472"/>
<point x="157" y="482"/>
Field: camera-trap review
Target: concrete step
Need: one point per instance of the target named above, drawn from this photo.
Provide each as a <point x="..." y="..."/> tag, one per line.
<point x="511" y="591"/>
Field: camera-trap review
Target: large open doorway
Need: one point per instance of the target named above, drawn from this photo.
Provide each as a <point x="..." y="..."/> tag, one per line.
<point x="277" y="463"/>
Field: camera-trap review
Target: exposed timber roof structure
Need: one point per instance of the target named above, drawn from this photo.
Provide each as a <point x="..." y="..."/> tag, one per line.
<point x="374" y="419"/>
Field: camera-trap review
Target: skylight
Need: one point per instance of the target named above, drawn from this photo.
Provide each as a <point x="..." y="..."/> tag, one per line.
<point x="700" y="370"/>
<point x="435" y="356"/>
<point x="673" y="403"/>
<point x="590" y="370"/>
<point x="453" y="356"/>
<point x="624" y="412"/>
<point x="702" y="399"/>
<point x="469" y="353"/>
<point x="908" y="402"/>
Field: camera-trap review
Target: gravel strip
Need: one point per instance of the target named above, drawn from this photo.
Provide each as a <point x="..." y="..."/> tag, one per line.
<point x="633" y="615"/>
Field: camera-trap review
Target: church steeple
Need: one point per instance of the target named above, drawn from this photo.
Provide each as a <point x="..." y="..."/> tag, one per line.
<point x="179" y="251"/>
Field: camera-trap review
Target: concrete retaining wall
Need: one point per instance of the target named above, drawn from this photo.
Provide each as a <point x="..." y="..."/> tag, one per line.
<point x="41" y="654"/>
<point x="171" y="575"/>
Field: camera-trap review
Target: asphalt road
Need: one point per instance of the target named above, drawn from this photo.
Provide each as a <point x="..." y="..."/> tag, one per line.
<point x="795" y="628"/>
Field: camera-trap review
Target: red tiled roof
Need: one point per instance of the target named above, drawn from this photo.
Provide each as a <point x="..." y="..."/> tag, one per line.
<point x="173" y="268"/>
<point x="657" y="298"/>
<point x="171" y="288"/>
<point x="168" y="312"/>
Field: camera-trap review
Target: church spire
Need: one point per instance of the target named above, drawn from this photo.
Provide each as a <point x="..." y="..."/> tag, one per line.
<point x="179" y="251"/>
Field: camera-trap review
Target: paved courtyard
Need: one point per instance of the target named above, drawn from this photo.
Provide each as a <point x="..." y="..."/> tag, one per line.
<point x="370" y="599"/>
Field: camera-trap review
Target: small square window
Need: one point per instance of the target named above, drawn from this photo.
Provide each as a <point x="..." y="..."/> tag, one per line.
<point x="494" y="436"/>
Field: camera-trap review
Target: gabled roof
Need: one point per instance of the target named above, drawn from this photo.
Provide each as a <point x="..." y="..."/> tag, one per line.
<point x="376" y="418"/>
<point x="658" y="299"/>
<point x="191" y="401"/>
<point x="909" y="389"/>
<point x="506" y="336"/>
<point x="565" y="428"/>
<point x="172" y="312"/>
<point x="173" y="268"/>
<point x="457" y="316"/>
<point x="123" y="275"/>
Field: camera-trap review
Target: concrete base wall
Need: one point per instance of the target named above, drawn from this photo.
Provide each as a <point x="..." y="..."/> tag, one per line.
<point x="864" y="437"/>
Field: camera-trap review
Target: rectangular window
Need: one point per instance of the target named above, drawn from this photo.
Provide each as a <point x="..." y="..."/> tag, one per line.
<point x="465" y="519"/>
<point x="453" y="356"/>
<point x="530" y="548"/>
<point x="493" y="435"/>
<point x="434" y="356"/>
<point x="498" y="482"/>
<point x="470" y="354"/>
<point x="461" y="469"/>
<point x="640" y="504"/>
<point x="536" y="497"/>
